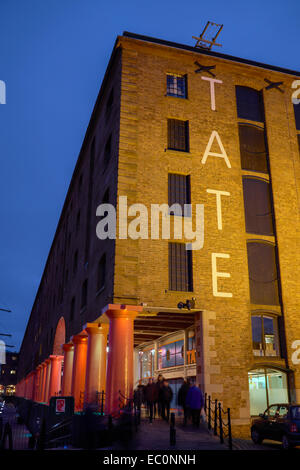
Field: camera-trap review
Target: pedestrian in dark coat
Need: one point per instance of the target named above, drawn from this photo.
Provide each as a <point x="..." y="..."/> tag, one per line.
<point x="159" y="384"/>
<point x="195" y="401"/>
<point x="166" y="394"/>
<point x="181" y="400"/>
<point x="139" y="397"/>
<point x="151" y="397"/>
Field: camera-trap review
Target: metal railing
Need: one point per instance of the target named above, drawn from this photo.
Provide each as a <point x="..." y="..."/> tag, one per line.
<point x="100" y="401"/>
<point x="218" y="420"/>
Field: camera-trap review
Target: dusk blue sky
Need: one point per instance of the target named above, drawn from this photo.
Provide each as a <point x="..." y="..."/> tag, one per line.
<point x="53" y="55"/>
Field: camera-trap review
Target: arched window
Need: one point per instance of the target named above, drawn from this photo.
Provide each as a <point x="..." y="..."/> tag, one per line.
<point x="249" y="103"/>
<point x="253" y="148"/>
<point x="266" y="387"/>
<point x="258" y="206"/>
<point x="262" y="268"/>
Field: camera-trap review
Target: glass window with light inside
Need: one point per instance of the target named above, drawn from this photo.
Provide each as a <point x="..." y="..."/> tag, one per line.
<point x="265" y="335"/>
<point x="176" y="85"/>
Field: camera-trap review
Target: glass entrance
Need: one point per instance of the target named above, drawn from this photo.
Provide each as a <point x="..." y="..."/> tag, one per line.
<point x="266" y="386"/>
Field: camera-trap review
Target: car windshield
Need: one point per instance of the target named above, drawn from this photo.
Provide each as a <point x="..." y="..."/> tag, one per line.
<point x="295" y="412"/>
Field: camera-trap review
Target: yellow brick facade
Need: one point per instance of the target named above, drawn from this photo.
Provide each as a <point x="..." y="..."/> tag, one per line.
<point x="141" y="266"/>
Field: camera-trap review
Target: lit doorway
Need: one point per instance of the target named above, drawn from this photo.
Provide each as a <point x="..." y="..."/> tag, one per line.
<point x="266" y="386"/>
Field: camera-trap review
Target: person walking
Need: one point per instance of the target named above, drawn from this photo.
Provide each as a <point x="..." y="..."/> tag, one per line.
<point x="166" y="395"/>
<point x="181" y="400"/>
<point x="159" y="384"/>
<point x="195" y="402"/>
<point x="139" y="398"/>
<point x="151" y="397"/>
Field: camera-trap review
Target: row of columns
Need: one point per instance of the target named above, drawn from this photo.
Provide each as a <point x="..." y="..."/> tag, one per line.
<point x="86" y="370"/>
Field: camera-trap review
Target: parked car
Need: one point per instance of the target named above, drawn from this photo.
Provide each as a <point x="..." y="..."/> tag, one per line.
<point x="280" y="422"/>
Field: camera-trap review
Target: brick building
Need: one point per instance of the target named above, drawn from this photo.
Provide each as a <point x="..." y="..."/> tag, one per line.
<point x="8" y="373"/>
<point x="177" y="124"/>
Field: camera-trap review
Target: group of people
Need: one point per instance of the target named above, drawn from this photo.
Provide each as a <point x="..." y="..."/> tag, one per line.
<point x="158" y="396"/>
<point x="190" y="398"/>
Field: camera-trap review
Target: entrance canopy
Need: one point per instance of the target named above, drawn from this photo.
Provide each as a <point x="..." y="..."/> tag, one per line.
<point x="150" y="326"/>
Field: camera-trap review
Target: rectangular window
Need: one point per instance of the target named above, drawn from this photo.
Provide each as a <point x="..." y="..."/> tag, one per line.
<point x="75" y="261"/>
<point x="72" y="308"/>
<point x="297" y="115"/>
<point x="253" y="149"/>
<point x="170" y="355"/>
<point x="78" y="221"/>
<point x="258" y="206"/>
<point x="101" y="272"/>
<point x="84" y="294"/>
<point x="179" y="192"/>
<point x="177" y="85"/>
<point x="249" y="103"/>
<point x="265" y="336"/>
<point x="178" y="135"/>
<point x="263" y="276"/>
<point x="180" y="268"/>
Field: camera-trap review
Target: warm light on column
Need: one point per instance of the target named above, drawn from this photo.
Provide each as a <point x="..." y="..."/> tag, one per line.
<point x="43" y="382"/>
<point x="68" y="368"/>
<point x="32" y="384"/>
<point x="37" y="389"/>
<point x="79" y="370"/>
<point x="96" y="361"/>
<point x="47" y="383"/>
<point x="55" y="376"/>
<point x="119" y="375"/>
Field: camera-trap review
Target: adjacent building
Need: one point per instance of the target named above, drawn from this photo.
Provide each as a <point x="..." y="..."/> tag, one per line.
<point x="218" y="136"/>
<point x="8" y="374"/>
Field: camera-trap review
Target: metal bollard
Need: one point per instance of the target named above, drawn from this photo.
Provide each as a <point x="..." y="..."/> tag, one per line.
<point x="229" y="430"/>
<point x="221" y="424"/>
<point x="216" y="418"/>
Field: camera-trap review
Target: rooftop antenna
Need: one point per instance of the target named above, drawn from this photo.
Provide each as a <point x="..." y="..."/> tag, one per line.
<point x="206" y="39"/>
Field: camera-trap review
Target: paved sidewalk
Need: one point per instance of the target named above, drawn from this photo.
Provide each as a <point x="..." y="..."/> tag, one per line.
<point x="156" y="436"/>
<point x="20" y="433"/>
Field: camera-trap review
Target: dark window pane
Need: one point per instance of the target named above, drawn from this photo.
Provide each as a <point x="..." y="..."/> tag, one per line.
<point x="107" y="151"/>
<point x="253" y="148"/>
<point x="180" y="268"/>
<point x="84" y="294"/>
<point x="262" y="273"/>
<point x="257" y="335"/>
<point x="178" y="135"/>
<point x="75" y="261"/>
<point x="176" y="86"/>
<point x="72" y="308"/>
<point x="271" y="339"/>
<point x="249" y="104"/>
<point x="179" y="191"/>
<point x="258" y="210"/>
<point x="101" y="272"/>
<point x="109" y="104"/>
<point x="297" y="115"/>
